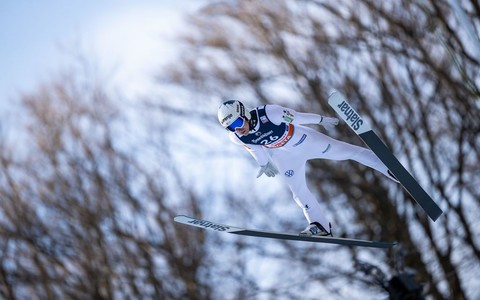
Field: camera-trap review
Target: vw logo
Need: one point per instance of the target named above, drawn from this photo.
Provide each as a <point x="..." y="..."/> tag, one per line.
<point x="289" y="173"/>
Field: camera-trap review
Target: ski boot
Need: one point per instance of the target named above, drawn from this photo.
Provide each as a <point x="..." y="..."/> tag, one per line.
<point x="315" y="228"/>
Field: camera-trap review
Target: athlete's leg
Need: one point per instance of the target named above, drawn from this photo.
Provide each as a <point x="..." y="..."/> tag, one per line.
<point x="342" y="151"/>
<point x="319" y="145"/>
<point x="293" y="172"/>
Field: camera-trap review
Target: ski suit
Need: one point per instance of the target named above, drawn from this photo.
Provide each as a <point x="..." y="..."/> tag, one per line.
<point x="277" y="135"/>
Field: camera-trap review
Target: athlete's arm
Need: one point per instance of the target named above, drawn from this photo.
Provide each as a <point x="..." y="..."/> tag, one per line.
<point x="279" y="114"/>
<point x="256" y="151"/>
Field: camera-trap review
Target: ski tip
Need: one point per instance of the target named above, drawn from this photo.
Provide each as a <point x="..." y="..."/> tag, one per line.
<point x="177" y="217"/>
<point x="331" y="92"/>
<point x="335" y="98"/>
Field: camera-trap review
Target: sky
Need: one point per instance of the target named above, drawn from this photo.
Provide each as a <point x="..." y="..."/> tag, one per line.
<point x="129" y="37"/>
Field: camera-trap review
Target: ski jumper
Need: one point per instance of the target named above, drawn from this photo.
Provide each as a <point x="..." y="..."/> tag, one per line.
<point x="276" y="134"/>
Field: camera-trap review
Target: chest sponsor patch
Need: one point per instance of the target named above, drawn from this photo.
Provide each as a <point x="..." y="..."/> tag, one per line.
<point x="287" y="116"/>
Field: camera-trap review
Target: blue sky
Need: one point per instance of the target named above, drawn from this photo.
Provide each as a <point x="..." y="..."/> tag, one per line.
<point x="131" y="36"/>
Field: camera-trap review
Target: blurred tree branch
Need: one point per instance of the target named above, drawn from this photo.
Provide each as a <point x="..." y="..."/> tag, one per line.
<point x="405" y="65"/>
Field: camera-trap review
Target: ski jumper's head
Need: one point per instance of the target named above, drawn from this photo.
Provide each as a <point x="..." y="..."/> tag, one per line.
<point x="232" y="115"/>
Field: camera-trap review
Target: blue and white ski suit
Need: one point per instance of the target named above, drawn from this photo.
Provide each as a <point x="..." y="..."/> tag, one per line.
<point x="276" y="134"/>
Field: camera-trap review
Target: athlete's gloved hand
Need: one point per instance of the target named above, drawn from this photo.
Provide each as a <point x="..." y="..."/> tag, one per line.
<point x="328" y="123"/>
<point x="269" y="169"/>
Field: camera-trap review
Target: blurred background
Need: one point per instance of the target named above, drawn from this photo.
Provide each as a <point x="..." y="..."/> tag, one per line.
<point x="108" y="130"/>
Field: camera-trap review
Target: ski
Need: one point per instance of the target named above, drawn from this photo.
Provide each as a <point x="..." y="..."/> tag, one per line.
<point x="340" y="104"/>
<point x="278" y="235"/>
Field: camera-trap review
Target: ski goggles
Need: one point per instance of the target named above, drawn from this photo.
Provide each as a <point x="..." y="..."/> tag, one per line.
<point x="238" y="123"/>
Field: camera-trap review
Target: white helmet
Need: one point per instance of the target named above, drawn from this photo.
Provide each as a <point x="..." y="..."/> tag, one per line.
<point x="230" y="111"/>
